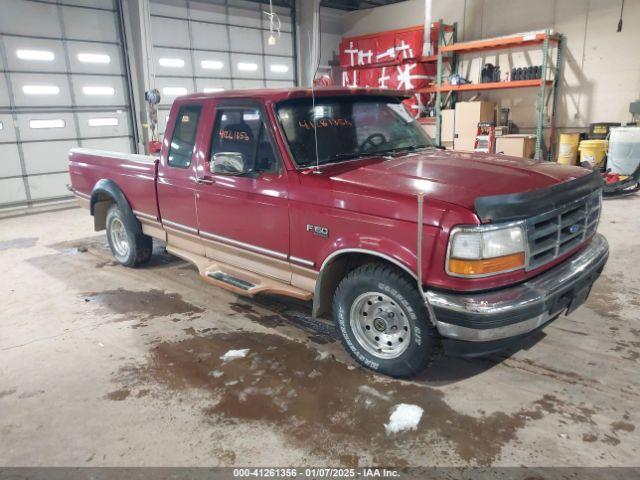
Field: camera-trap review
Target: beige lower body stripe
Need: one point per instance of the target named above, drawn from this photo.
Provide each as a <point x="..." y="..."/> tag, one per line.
<point x="179" y="226"/>
<point x="82" y="195"/>
<point x="235" y="243"/>
<point x="144" y="215"/>
<point x="248" y="246"/>
<point x="301" y="261"/>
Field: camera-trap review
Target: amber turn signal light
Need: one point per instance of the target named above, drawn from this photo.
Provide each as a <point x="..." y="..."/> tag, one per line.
<point x="486" y="266"/>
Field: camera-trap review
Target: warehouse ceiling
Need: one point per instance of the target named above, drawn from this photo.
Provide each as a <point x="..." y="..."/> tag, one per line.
<point x="348" y="5"/>
<point x="351" y="5"/>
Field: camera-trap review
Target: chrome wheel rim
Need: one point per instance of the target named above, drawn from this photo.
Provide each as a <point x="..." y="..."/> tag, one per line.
<point x="119" y="238"/>
<point x="379" y="325"/>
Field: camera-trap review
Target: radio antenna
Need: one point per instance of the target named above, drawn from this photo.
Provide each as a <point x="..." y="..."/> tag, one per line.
<point x="313" y="93"/>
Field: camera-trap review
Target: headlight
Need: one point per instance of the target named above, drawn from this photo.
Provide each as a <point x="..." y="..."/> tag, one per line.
<point x="484" y="250"/>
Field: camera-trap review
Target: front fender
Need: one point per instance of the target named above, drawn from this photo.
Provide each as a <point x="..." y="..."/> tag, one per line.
<point x="335" y="260"/>
<point x="385" y="249"/>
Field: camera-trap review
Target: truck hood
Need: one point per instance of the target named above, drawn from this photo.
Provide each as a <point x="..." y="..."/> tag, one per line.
<point x="457" y="177"/>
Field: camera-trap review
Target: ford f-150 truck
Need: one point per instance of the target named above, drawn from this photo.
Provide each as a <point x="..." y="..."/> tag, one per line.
<point x="339" y="197"/>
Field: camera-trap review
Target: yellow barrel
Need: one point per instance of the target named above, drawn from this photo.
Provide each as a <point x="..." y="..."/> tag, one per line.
<point x="568" y="148"/>
<point x="593" y="152"/>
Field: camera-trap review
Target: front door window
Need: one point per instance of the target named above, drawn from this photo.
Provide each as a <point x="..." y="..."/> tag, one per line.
<point x="242" y="131"/>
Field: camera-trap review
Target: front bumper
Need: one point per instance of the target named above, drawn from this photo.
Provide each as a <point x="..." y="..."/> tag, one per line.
<point x="510" y="313"/>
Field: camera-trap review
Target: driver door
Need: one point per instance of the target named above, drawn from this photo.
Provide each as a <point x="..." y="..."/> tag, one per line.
<point x="247" y="214"/>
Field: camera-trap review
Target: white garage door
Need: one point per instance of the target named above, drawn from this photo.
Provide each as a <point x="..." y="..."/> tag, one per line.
<point x="62" y="86"/>
<point x="208" y="46"/>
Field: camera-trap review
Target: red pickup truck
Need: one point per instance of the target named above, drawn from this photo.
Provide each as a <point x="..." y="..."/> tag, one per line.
<point x="341" y="198"/>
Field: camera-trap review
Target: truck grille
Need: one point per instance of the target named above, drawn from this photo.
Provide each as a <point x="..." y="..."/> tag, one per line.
<point x="554" y="233"/>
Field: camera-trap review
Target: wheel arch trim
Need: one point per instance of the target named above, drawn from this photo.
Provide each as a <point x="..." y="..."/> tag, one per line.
<point x="365" y="251"/>
<point x="109" y="188"/>
<point x="320" y="302"/>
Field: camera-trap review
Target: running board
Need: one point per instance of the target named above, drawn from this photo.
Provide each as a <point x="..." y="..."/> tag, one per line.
<point x="237" y="280"/>
<point x="226" y="278"/>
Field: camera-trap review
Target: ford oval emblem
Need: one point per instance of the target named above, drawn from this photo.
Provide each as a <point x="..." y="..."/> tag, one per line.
<point x="575" y="228"/>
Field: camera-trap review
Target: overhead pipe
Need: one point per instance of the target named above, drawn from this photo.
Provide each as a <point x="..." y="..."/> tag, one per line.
<point x="426" y="45"/>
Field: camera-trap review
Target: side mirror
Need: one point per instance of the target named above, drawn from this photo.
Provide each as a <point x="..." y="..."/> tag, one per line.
<point x="228" y="163"/>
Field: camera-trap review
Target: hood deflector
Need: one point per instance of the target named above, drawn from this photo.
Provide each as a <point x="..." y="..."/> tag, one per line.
<point x="517" y="206"/>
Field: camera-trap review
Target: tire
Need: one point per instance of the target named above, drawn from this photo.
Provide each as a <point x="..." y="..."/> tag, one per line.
<point x="128" y="247"/>
<point x="383" y="321"/>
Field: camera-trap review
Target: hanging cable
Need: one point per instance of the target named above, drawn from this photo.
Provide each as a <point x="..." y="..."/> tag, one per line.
<point x="274" y="24"/>
<point x="620" y="21"/>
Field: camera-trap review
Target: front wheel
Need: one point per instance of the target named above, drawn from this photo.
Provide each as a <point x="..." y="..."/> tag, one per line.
<point x="128" y="247"/>
<point x="383" y="321"/>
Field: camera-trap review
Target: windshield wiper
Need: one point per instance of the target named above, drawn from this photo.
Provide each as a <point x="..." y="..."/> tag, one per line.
<point x="347" y="156"/>
<point x="408" y="148"/>
<point x="354" y="156"/>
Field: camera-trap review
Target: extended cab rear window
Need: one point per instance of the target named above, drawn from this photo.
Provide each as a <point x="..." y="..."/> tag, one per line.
<point x="184" y="136"/>
<point x="347" y="127"/>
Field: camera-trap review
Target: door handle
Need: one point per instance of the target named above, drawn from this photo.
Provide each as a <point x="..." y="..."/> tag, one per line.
<point x="205" y="180"/>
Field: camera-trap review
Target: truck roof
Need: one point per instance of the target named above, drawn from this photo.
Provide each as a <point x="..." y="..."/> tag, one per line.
<point x="278" y="94"/>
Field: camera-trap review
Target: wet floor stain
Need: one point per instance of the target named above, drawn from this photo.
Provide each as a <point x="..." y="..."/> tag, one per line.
<point x="31" y="394"/>
<point x="143" y="305"/>
<point x="118" y="395"/>
<point x="26" y="242"/>
<point x="319" y="331"/>
<point x="326" y="406"/>
<point x="627" y="349"/>
<point x="604" y="299"/>
<point x="81" y="245"/>
<point x="6" y="393"/>
<point x="226" y="456"/>
<point x="611" y="440"/>
<point x="107" y="263"/>
<point x="99" y="247"/>
<point x="622" y="425"/>
<point x="536" y="368"/>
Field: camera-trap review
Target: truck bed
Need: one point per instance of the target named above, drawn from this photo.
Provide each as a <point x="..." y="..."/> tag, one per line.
<point x="134" y="174"/>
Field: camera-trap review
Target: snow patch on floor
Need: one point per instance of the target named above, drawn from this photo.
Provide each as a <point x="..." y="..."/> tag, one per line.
<point x="323" y="355"/>
<point x="367" y="390"/>
<point x="403" y="417"/>
<point x="233" y="354"/>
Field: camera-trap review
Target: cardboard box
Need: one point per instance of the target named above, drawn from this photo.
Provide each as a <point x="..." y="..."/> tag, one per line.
<point x="447" y="125"/>
<point x="517" y="145"/>
<point x="429" y="129"/>
<point x="465" y="144"/>
<point x="502" y="130"/>
<point x="467" y="117"/>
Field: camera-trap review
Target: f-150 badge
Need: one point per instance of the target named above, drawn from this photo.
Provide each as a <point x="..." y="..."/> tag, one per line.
<point x="316" y="230"/>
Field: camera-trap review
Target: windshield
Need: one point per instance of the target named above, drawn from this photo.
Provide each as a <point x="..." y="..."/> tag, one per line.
<point x="348" y="128"/>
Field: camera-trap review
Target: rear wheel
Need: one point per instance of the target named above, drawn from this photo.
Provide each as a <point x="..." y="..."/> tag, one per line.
<point x="128" y="247"/>
<point x="383" y="321"/>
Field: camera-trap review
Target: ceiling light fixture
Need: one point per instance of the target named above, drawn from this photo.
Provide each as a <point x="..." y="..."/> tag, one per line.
<point x="98" y="90"/>
<point x="103" y="122"/>
<point x="53" y="123"/>
<point x="171" y="62"/>
<point x="94" y="58"/>
<point x="174" y="91"/>
<point x="41" y="89"/>
<point x="212" y="64"/>
<point x="279" y="68"/>
<point x="247" y="66"/>
<point x="41" y="55"/>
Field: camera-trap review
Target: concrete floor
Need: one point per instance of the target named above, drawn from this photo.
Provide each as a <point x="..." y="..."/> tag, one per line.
<point x="102" y="365"/>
